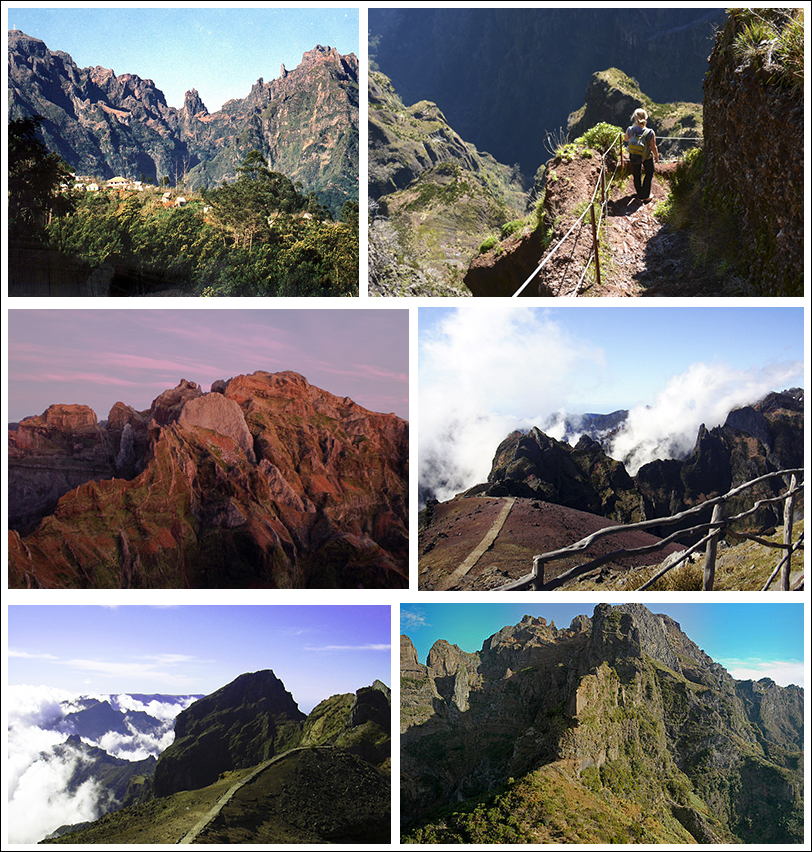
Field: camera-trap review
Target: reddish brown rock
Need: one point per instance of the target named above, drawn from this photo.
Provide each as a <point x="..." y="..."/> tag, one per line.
<point x="323" y="505"/>
<point x="216" y="412"/>
<point x="166" y="408"/>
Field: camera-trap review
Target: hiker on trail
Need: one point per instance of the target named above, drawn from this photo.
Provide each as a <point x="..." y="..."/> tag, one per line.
<point x="643" y="154"/>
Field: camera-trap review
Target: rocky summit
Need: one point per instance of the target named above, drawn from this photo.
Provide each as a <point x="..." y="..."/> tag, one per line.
<point x="304" y="122"/>
<point x="247" y="766"/>
<point x="556" y="493"/>
<point x="265" y="481"/>
<point x="617" y="729"/>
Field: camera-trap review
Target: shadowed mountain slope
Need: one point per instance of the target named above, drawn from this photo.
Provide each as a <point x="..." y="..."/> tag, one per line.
<point x="616" y="729"/>
<point x="247" y="766"/>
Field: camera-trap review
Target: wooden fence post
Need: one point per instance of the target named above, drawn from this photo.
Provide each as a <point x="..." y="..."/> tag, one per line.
<point x="595" y="246"/>
<point x="538" y="574"/>
<point x="710" y="552"/>
<point x="789" y="509"/>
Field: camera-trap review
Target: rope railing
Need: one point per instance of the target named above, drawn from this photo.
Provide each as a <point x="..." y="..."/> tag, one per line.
<point x="601" y="180"/>
<point x="710" y="532"/>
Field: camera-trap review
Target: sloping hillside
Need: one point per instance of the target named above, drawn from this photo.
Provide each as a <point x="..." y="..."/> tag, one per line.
<point x="618" y="729"/>
<point x="433" y="196"/>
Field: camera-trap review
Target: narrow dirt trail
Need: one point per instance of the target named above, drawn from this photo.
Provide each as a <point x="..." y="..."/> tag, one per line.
<point x="641" y="256"/>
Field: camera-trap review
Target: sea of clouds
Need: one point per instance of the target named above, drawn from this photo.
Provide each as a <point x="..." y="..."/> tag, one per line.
<point x="38" y="801"/>
<point x="474" y="394"/>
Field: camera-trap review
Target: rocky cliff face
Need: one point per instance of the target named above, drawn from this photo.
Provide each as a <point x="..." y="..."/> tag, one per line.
<point x="305" y="122"/>
<point x="244" y="723"/>
<point x="50" y="455"/>
<point x="754" y="142"/>
<point x="265" y="481"/>
<point x="754" y="440"/>
<point x="358" y="723"/>
<point x="618" y="714"/>
<point x="526" y="69"/>
<point x="254" y="718"/>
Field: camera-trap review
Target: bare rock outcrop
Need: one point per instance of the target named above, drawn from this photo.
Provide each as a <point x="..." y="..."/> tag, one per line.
<point x="50" y="454"/>
<point x="166" y="407"/>
<point x="622" y="706"/>
<point x="754" y="152"/>
<point x="272" y="483"/>
<point x="214" y="411"/>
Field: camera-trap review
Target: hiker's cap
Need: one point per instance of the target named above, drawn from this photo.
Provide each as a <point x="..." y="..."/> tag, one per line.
<point x="640" y="116"/>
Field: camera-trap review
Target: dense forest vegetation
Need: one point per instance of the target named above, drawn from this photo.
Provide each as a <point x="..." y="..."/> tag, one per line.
<point x="259" y="236"/>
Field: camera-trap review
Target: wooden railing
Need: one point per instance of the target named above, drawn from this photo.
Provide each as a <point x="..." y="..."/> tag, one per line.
<point x="710" y="532"/>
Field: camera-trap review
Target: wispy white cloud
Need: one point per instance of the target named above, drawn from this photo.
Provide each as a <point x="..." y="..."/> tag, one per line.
<point x="704" y="394"/>
<point x="130" y="671"/>
<point x="367" y="647"/>
<point x="30" y="655"/>
<point x="783" y="672"/>
<point x="411" y="619"/>
<point x="480" y="371"/>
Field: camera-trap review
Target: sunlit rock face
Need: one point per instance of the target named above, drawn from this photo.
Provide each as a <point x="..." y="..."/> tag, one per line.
<point x="305" y="122"/>
<point x="268" y="481"/>
<point x="621" y="709"/>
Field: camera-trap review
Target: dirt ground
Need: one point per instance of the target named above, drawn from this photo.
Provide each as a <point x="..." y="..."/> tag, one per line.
<point x="532" y="527"/>
<point x="643" y="257"/>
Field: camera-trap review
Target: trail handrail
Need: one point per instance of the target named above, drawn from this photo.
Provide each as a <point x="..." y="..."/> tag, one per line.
<point x="601" y="174"/>
<point x="603" y="214"/>
<point x="535" y="579"/>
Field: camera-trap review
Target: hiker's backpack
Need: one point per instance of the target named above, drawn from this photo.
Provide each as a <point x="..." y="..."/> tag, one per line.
<point x="638" y="142"/>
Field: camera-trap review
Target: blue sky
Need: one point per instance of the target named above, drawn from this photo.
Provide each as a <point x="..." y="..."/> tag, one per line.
<point x="615" y="357"/>
<point x="98" y="357"/>
<point x="486" y="370"/>
<point x="751" y="640"/>
<point x="317" y="651"/>
<point x="220" y="50"/>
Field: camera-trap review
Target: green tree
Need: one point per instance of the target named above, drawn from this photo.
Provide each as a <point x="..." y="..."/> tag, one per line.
<point x="37" y="180"/>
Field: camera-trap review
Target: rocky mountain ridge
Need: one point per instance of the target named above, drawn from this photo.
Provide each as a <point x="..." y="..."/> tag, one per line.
<point x="321" y="777"/>
<point x="618" y="728"/>
<point x="305" y="122"/>
<point x="500" y="82"/>
<point x="265" y="480"/>
<point x="754" y="440"/>
<point x="432" y="195"/>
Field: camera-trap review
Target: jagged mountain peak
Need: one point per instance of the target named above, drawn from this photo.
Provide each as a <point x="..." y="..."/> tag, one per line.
<point x="266" y="467"/>
<point x="105" y="124"/>
<point x="620" y="708"/>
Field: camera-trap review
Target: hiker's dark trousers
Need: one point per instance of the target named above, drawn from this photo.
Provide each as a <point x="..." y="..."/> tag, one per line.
<point x="643" y="188"/>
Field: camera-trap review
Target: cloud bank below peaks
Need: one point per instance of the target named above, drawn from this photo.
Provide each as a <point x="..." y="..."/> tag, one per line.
<point x="703" y="394"/>
<point x="480" y="374"/>
<point x="42" y="766"/>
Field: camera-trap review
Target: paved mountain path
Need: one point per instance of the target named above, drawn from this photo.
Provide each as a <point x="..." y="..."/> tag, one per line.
<point x="474" y="556"/>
